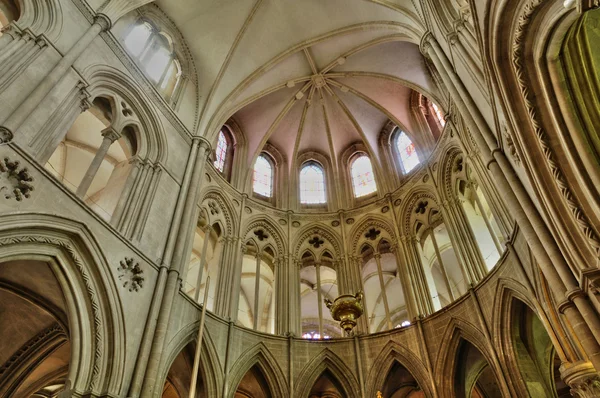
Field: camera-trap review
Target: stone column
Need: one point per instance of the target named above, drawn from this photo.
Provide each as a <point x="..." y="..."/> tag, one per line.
<point x="319" y="299"/>
<point x="409" y="297"/>
<point x="383" y="292"/>
<point x="417" y="276"/>
<point x="463" y="241"/>
<point x="178" y="245"/>
<point x="109" y="136"/>
<point x="256" y="290"/>
<point x="356" y="283"/>
<point x="576" y="307"/>
<point x="164" y="291"/>
<point x="442" y="267"/>
<point x="31" y="101"/>
<point x="147" y="200"/>
<point x="130" y="185"/>
<point x="488" y="224"/>
<point x="10" y="36"/>
<point x="207" y="230"/>
<point x="14" y="39"/>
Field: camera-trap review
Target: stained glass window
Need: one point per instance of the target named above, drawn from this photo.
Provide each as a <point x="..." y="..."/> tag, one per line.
<point x="407" y="151"/>
<point x="262" y="181"/>
<point x="363" y="179"/>
<point x="438" y="114"/>
<point x="312" y="184"/>
<point x="221" y="152"/>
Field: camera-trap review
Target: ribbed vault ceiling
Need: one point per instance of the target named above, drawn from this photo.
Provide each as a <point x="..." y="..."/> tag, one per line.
<point x="307" y="75"/>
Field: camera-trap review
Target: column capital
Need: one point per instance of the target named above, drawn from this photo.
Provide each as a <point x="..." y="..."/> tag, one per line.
<point x="202" y="143"/>
<point x="426" y="42"/>
<point x="111" y="134"/>
<point x="104" y="21"/>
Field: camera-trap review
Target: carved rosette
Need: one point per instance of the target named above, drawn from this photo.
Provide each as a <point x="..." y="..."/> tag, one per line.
<point x="6" y="136"/>
<point x="15" y="182"/>
<point x="131" y="274"/>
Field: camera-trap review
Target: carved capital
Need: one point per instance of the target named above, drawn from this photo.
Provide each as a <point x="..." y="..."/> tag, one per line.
<point x="582" y="378"/>
<point x="111" y="134"/>
<point x="104" y="21"/>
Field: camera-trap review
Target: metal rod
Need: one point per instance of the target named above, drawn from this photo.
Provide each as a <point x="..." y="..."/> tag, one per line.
<point x="199" y="343"/>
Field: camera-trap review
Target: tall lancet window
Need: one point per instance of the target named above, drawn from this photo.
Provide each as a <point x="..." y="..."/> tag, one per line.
<point x="439" y="115"/>
<point x="221" y="152"/>
<point x="312" y="184"/>
<point x="262" y="182"/>
<point x="363" y="178"/>
<point x="408" y="153"/>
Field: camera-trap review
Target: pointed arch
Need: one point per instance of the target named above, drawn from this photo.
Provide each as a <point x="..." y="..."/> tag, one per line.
<point x="326" y="232"/>
<point x="106" y="81"/>
<point x="274" y="231"/>
<point x="327" y="361"/>
<point x="222" y="209"/>
<point x="510" y="293"/>
<point x="95" y="315"/>
<point x="211" y="368"/>
<point x="371" y="221"/>
<point x="459" y="331"/>
<point x="259" y="356"/>
<point x="391" y="354"/>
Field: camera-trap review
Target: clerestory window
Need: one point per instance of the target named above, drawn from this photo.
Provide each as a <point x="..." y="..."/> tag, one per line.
<point x="312" y="184"/>
<point x="363" y="178"/>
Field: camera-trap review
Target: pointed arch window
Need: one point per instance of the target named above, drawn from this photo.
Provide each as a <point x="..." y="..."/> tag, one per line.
<point x="363" y="178"/>
<point x="409" y="159"/>
<point x="312" y="184"/>
<point x="221" y="152"/>
<point x="154" y="52"/>
<point x="262" y="182"/>
<point x="439" y="115"/>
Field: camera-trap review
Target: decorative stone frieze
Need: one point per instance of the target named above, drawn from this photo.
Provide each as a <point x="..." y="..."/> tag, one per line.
<point x="15" y="182"/>
<point x="131" y="274"/>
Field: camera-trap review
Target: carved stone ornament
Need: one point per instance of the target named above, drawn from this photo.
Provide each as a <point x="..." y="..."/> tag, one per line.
<point x="510" y="145"/>
<point x="6" y="136"/>
<point x="261" y="234"/>
<point x="582" y="378"/>
<point x="335" y="223"/>
<point x="397" y="202"/>
<point x="214" y="209"/>
<point x="131" y="274"/>
<point x="316" y="242"/>
<point x="385" y="209"/>
<point x="14" y="182"/>
<point x="296" y="224"/>
<point x="350" y="221"/>
<point x="282" y="221"/>
<point x="588" y="387"/>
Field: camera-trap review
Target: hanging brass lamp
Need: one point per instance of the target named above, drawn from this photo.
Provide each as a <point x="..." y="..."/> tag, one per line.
<point x="346" y="309"/>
